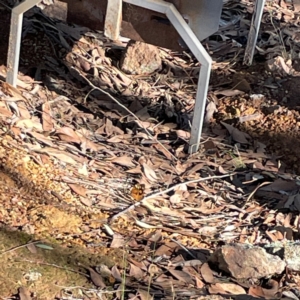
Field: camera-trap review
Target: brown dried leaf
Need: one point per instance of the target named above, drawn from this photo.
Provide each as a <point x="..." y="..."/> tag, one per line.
<point x="182" y="276"/>
<point x="42" y="138"/>
<point x="61" y="155"/>
<point x="29" y="124"/>
<point x="149" y="172"/>
<point x="166" y="249"/>
<point x="24" y="113"/>
<point x="118" y="139"/>
<point x="136" y="170"/>
<point x="86" y="201"/>
<point x="185" y="135"/>
<point x="116" y="273"/>
<point x="136" y="272"/>
<point x="5" y="112"/>
<point x="96" y="278"/>
<point x="118" y="241"/>
<point x="46" y="117"/>
<point x="226" y="288"/>
<point x="108" y="127"/>
<point x="207" y="273"/>
<point x="229" y="93"/>
<point x="258" y="291"/>
<point x="124" y="161"/>
<point x="67" y="134"/>
<point x="32" y="248"/>
<point x="164" y="151"/>
<point x="237" y="135"/>
<point x="80" y="190"/>
<point x="13" y="92"/>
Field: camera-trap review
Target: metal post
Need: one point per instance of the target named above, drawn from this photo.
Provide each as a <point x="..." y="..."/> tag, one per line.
<point x="253" y="33"/>
<point x="113" y="19"/>
<point x="200" y="53"/>
<point x="15" y="40"/>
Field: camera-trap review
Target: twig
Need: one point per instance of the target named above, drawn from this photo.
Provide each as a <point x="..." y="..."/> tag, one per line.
<point x="53" y="265"/>
<point x="166" y="191"/>
<point x="184" y="248"/>
<point x="5" y="5"/>
<point x="19" y="247"/>
<point x="124" y="107"/>
<point x="255" y="190"/>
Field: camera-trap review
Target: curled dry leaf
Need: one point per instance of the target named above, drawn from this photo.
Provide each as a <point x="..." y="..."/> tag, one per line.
<point x="118" y="241"/>
<point x="124" y="161"/>
<point x="96" y="278"/>
<point x="5" y="112"/>
<point x="237" y="135"/>
<point x="182" y="276"/>
<point x="229" y="92"/>
<point x="13" y="92"/>
<point x="176" y="197"/>
<point x="29" y="124"/>
<point x="67" y="134"/>
<point x="116" y="273"/>
<point x="46" y="117"/>
<point x="61" y="155"/>
<point x="86" y="201"/>
<point x="78" y="189"/>
<point x="136" y="170"/>
<point x="24" y="113"/>
<point x="136" y="272"/>
<point x="207" y="273"/>
<point x="42" y="138"/>
<point x="226" y="288"/>
<point x="258" y="291"/>
<point x="185" y="135"/>
<point x="164" y="151"/>
<point x="32" y="248"/>
<point x="149" y="172"/>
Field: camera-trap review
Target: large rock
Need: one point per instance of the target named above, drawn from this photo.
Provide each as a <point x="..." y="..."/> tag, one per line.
<point x="245" y="261"/>
<point x="140" y="59"/>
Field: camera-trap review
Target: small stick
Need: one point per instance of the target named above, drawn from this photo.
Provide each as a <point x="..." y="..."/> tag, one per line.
<point x="166" y="191"/>
<point x="19" y="247"/>
<point x="254" y="191"/>
<point x="184" y="248"/>
<point x="53" y="265"/>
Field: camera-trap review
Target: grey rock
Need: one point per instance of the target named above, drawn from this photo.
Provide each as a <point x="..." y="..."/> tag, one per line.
<point x="245" y="261"/>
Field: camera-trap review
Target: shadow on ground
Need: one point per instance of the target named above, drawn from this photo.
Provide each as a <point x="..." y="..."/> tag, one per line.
<point x="44" y="268"/>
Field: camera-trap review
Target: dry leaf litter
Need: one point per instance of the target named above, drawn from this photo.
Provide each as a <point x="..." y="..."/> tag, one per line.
<point x="78" y="134"/>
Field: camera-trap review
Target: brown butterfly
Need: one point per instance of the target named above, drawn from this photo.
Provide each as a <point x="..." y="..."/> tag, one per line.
<point x="138" y="192"/>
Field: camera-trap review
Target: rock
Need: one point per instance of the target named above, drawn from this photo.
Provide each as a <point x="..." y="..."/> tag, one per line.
<point x="292" y="257"/>
<point x="289" y="251"/>
<point x="245" y="261"/>
<point x="140" y="58"/>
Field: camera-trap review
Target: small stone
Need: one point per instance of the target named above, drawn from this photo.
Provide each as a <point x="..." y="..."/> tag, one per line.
<point x="140" y="58"/>
<point x="245" y="261"/>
